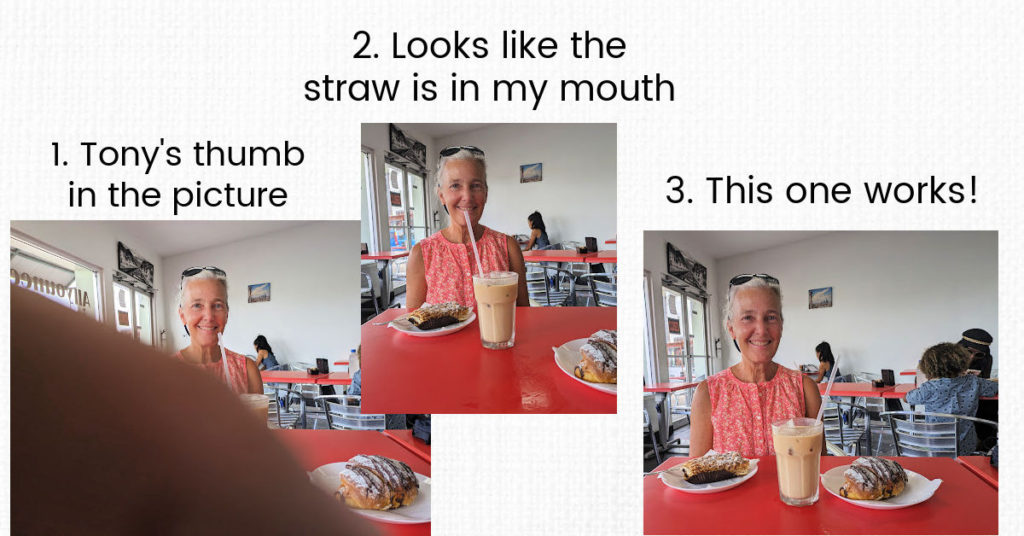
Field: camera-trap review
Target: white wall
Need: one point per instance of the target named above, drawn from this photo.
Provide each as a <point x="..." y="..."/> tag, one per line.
<point x="577" y="194"/>
<point x="656" y="261"/>
<point x="95" y="242"/>
<point x="894" y="294"/>
<point x="314" y="293"/>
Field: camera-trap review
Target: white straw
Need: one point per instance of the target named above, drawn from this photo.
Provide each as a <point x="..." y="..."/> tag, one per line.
<point x="472" y="239"/>
<point x="223" y="358"/>
<point x="828" y="388"/>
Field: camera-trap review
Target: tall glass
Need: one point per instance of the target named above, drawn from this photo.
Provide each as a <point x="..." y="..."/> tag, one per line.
<point x="798" y="458"/>
<point x="496" y="295"/>
<point x="259" y="405"/>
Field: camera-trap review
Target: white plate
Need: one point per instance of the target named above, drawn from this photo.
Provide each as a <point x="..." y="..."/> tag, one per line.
<point x="918" y="490"/>
<point x="674" y="479"/>
<point x="402" y="324"/>
<point x="567" y="356"/>
<point x="328" y="478"/>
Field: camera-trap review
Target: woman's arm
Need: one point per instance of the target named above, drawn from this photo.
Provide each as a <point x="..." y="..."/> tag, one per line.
<point x="260" y="356"/>
<point x="517" y="264"/>
<point x="702" y="433"/>
<point x="415" y="280"/>
<point x="253" y="376"/>
<point x="534" y="234"/>
<point x="812" y="398"/>
<point x="823" y="369"/>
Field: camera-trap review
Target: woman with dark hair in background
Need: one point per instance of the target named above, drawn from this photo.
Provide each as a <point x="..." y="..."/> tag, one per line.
<point x="826" y="362"/>
<point x="265" y="359"/>
<point x="538" y="232"/>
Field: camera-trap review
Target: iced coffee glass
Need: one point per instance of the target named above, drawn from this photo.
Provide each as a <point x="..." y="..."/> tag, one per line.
<point x="259" y="405"/>
<point x="496" y="295"/>
<point x="798" y="444"/>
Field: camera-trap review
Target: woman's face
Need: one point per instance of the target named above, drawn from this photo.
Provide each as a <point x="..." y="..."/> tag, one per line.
<point x="756" y="324"/>
<point x="204" y="310"/>
<point x="464" y="188"/>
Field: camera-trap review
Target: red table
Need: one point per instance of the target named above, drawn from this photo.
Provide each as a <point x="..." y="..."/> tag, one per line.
<point x="754" y="507"/>
<point x="334" y="378"/>
<point x="288" y="376"/>
<point x="605" y="256"/>
<point x="555" y="255"/>
<point x="865" y="389"/>
<point x="665" y="389"/>
<point x="415" y="444"/>
<point x="908" y="372"/>
<point x="341" y="363"/>
<point x="313" y="448"/>
<point x="668" y="387"/>
<point x="455" y="374"/>
<point x="383" y="255"/>
<point x="612" y="241"/>
<point x="981" y="466"/>
<point x="384" y="259"/>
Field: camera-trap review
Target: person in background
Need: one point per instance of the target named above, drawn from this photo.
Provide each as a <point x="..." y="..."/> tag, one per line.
<point x="950" y="390"/>
<point x="826" y="362"/>
<point x="977" y="343"/>
<point x="441" y="266"/>
<point x="733" y="410"/>
<point x="265" y="359"/>
<point x="538" y="232"/>
<point x="143" y="467"/>
<point x="203" y="310"/>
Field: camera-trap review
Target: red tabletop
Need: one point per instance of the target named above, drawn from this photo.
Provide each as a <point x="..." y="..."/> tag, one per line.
<point x="901" y="390"/>
<point x="455" y="374"/>
<point x="668" y="387"/>
<point x="754" y="507"/>
<point x="288" y="376"/>
<point x="383" y="255"/>
<point x="415" y="444"/>
<point x="609" y="256"/>
<point x="981" y="466"/>
<point x="908" y="372"/>
<point x="555" y="255"/>
<point x="855" y="389"/>
<point x="341" y="363"/>
<point x="334" y="378"/>
<point x="612" y="241"/>
<point x="313" y="448"/>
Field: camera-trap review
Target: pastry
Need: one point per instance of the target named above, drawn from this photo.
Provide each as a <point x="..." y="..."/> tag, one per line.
<point x="607" y="336"/>
<point x="598" y="363"/>
<point x="439" y="315"/>
<point x="377" y="483"/>
<point x="871" y="478"/>
<point x="715" y="467"/>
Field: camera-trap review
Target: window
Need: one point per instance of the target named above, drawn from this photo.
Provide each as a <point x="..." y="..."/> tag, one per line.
<point x="56" y="276"/>
<point x="133" y="311"/>
<point x="368" y="230"/>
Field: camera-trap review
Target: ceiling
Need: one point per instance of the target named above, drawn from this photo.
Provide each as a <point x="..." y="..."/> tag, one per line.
<point x="440" y="130"/>
<point x="722" y="244"/>
<point x="167" y="238"/>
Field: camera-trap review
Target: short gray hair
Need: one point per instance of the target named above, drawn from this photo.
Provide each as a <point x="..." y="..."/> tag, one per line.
<point x="755" y="282"/>
<point x="205" y="274"/>
<point x="463" y="154"/>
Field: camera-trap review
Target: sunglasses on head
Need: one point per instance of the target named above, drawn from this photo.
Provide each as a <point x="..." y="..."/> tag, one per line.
<point x="189" y="272"/>
<point x="743" y="278"/>
<point x="448" y="151"/>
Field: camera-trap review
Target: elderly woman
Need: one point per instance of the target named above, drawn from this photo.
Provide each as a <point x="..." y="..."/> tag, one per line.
<point x="203" y="310"/>
<point x="734" y="409"/>
<point x="441" y="266"/>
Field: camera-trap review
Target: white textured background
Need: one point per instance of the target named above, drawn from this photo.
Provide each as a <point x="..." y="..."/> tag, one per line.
<point x="806" y="90"/>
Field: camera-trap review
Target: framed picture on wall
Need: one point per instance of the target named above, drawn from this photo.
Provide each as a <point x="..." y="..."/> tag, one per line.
<point x="819" y="297"/>
<point x="531" y="172"/>
<point x="259" y="292"/>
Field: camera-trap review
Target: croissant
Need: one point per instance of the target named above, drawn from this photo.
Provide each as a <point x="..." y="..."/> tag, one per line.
<point x="438" y="315"/>
<point x="599" y="363"/>
<point x="377" y="483"/>
<point x="607" y="336"/>
<point x="871" y="478"/>
<point x="715" y="467"/>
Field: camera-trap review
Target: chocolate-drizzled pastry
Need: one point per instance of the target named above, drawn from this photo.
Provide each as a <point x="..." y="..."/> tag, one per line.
<point x="439" y="315"/>
<point x="871" y="478"/>
<point x="599" y="363"/>
<point x="377" y="483"/>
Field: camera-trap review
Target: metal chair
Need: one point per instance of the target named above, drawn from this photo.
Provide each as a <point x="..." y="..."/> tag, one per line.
<point x="367" y="294"/>
<point x="549" y="286"/>
<point x="842" y="428"/>
<point x="603" y="288"/>
<point x="649" y="430"/>
<point x="344" y="412"/>
<point x="919" y="438"/>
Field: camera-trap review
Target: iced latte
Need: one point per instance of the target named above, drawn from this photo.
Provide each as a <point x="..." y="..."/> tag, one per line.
<point x="798" y="457"/>
<point x="496" y="295"/>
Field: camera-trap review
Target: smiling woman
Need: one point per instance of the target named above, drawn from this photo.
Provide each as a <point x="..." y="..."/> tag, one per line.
<point x="203" y="310"/>
<point x="734" y="409"/>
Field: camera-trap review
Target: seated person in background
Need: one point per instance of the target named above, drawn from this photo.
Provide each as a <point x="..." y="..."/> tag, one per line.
<point x="977" y="342"/>
<point x="441" y="266"/>
<point x="265" y="359"/>
<point x="950" y="390"/>
<point x="538" y="232"/>
<point x="826" y="362"/>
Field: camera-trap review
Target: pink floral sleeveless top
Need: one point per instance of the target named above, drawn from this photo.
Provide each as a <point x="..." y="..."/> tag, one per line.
<point x="238" y="373"/>
<point x="450" y="267"/>
<point x="742" y="413"/>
